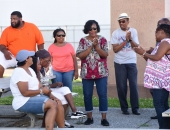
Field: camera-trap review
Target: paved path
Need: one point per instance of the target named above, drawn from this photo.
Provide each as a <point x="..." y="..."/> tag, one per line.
<point x="114" y="116"/>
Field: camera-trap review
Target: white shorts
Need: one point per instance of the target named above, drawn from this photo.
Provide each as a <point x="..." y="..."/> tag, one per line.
<point x="60" y="93"/>
<point x="60" y="97"/>
<point x="7" y="63"/>
<point x="63" y="90"/>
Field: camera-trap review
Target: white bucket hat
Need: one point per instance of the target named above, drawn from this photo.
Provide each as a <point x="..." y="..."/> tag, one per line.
<point x="123" y="16"/>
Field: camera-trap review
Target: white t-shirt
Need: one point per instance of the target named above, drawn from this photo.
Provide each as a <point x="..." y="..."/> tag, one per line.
<point x="20" y="74"/>
<point x="126" y="54"/>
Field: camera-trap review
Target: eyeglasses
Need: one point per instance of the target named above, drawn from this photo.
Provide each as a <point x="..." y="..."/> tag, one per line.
<point x="61" y="35"/>
<point x="123" y="21"/>
<point x="48" y="61"/>
<point x="92" y="29"/>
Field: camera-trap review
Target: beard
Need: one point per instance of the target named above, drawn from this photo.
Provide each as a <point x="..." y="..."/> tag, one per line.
<point x="16" y="25"/>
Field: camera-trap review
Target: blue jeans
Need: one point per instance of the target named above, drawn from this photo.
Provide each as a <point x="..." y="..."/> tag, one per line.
<point x="124" y="72"/>
<point x="166" y="101"/>
<point x="65" y="77"/>
<point x="101" y="87"/>
<point x="160" y="100"/>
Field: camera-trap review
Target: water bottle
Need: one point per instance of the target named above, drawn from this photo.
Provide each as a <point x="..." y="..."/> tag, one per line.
<point x="50" y="71"/>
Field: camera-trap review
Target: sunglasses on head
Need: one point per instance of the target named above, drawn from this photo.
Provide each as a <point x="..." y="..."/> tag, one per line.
<point x="123" y="21"/>
<point x="61" y="35"/>
<point x="92" y="29"/>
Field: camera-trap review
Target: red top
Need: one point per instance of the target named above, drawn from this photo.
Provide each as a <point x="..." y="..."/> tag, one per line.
<point x="93" y="66"/>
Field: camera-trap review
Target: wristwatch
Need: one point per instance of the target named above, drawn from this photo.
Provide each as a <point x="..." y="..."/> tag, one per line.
<point x="41" y="91"/>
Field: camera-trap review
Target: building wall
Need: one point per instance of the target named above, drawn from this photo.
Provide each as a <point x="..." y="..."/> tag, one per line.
<point x="70" y="15"/>
<point x="56" y="12"/>
<point x="144" y="16"/>
<point x="167" y="8"/>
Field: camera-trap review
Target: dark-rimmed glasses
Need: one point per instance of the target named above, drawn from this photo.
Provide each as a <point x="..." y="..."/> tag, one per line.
<point x="47" y="61"/>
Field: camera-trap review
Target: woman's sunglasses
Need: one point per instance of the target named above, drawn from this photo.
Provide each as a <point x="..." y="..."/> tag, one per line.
<point x="61" y="35"/>
<point x="92" y="29"/>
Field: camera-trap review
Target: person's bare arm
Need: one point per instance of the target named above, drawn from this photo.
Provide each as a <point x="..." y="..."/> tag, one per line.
<point x="117" y="47"/>
<point x="2" y="47"/>
<point x="128" y="38"/>
<point x="7" y="54"/>
<point x="162" y="50"/>
<point x="149" y="52"/>
<point x="133" y="44"/>
<point x="84" y="54"/>
<point x="75" y="67"/>
<point x="23" y="87"/>
<point x="57" y="84"/>
<point x="101" y="52"/>
<point x="41" y="46"/>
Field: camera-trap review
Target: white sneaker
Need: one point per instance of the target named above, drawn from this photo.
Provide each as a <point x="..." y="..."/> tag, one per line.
<point x="78" y="114"/>
<point x="68" y="125"/>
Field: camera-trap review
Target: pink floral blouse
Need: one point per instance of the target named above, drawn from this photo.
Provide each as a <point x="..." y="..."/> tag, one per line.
<point x="157" y="73"/>
<point x="93" y="66"/>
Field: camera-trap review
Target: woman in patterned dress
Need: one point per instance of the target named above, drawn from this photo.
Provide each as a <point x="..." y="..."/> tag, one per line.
<point x="157" y="73"/>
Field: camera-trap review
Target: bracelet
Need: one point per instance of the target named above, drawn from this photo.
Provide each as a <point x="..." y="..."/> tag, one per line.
<point x="144" y="53"/>
<point x="41" y="91"/>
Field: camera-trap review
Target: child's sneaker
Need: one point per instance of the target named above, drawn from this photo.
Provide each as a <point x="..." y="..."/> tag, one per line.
<point x="78" y="114"/>
<point x="68" y="125"/>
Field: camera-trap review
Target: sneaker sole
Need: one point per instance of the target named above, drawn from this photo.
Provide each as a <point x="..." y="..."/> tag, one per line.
<point x="77" y="117"/>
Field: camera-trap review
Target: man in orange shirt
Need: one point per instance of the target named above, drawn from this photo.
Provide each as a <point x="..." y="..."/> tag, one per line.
<point x="20" y="35"/>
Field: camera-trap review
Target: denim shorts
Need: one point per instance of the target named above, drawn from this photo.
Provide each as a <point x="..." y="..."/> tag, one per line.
<point x="34" y="105"/>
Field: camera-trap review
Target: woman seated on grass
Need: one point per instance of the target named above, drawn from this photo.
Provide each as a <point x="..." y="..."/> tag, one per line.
<point x="30" y="96"/>
<point x="58" y="90"/>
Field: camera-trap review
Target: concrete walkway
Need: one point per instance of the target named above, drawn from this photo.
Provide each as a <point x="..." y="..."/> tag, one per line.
<point x="114" y="116"/>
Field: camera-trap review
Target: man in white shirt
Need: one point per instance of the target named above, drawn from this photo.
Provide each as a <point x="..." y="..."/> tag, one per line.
<point x="123" y="40"/>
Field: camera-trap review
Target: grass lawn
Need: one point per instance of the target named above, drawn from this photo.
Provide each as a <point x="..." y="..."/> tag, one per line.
<point x="78" y="100"/>
<point x="112" y="102"/>
<point x="6" y="100"/>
